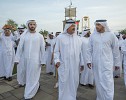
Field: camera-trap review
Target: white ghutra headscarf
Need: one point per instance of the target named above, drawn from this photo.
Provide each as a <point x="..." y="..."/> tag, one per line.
<point x="69" y="23"/>
<point x="85" y="32"/>
<point x="103" y="23"/>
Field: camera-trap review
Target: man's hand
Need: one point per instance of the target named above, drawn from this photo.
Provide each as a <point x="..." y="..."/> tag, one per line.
<point x="57" y="64"/>
<point x="89" y="65"/>
<point x="16" y="63"/>
<point x="82" y="68"/>
<point x="117" y="67"/>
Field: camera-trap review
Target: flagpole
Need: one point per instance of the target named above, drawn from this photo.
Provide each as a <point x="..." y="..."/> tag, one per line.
<point x="70" y="3"/>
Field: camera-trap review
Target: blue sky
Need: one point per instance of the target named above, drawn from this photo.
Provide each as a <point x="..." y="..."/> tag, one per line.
<point x="49" y="14"/>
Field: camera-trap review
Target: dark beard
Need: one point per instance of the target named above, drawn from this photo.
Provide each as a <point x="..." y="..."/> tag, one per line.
<point x="32" y="29"/>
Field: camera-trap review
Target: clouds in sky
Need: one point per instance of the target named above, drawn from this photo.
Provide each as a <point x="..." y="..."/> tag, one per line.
<point x="49" y="14"/>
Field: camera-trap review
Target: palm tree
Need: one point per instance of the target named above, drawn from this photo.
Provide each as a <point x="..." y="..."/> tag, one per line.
<point x="123" y="31"/>
<point x="23" y="25"/>
<point x="44" y="33"/>
<point x="13" y="24"/>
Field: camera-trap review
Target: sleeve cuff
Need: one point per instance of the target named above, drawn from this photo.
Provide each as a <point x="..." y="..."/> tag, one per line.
<point x="16" y="60"/>
<point x="55" y="61"/>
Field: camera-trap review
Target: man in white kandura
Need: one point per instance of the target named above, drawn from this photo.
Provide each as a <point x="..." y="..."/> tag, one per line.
<point x="8" y="53"/>
<point x="2" y="74"/>
<point x="49" y="41"/>
<point x="32" y="47"/>
<point x="55" y="72"/>
<point x="118" y="73"/>
<point x="87" y="77"/>
<point x="21" y="70"/>
<point x="68" y="59"/>
<point x="102" y="54"/>
<point x="123" y="49"/>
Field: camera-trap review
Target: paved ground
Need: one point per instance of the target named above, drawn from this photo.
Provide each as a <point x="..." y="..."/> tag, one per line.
<point x="11" y="91"/>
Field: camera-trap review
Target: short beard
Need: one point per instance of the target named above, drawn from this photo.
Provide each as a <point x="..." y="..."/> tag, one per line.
<point x="101" y="31"/>
<point x="32" y="30"/>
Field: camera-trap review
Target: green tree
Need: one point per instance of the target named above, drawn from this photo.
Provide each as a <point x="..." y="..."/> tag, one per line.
<point x="23" y="25"/>
<point x="44" y="33"/>
<point x="123" y="31"/>
<point x="13" y="24"/>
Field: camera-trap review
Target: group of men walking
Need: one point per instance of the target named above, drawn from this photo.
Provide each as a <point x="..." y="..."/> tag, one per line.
<point x="89" y="60"/>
